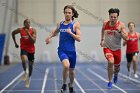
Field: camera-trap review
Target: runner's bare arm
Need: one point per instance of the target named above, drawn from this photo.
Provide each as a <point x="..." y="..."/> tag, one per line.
<point x="55" y="32"/>
<point x="14" y="38"/>
<point x="77" y="30"/>
<point x="123" y="32"/>
<point x="52" y="34"/>
<point x="124" y="42"/>
<point x="139" y="35"/>
<point x="102" y="35"/>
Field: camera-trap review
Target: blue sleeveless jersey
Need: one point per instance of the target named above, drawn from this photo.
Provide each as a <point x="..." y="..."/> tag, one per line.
<point x="66" y="41"/>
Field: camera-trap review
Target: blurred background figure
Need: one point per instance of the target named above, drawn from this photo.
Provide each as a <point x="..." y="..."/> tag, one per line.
<point x="27" y="48"/>
<point x="132" y="48"/>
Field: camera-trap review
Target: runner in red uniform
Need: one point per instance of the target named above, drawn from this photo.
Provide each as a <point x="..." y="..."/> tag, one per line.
<point x="112" y="33"/>
<point x="132" y="48"/>
<point x="27" y="40"/>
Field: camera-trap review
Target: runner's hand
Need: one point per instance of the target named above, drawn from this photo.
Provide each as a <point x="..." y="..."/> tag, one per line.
<point x="48" y="40"/>
<point x="102" y="43"/>
<point x="16" y="45"/>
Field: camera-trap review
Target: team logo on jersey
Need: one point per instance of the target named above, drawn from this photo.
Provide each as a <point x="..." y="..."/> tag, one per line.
<point x="25" y="37"/>
<point x="63" y="30"/>
<point x="132" y="39"/>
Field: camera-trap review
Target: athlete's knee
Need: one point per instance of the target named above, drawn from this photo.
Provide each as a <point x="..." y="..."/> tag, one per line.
<point x="109" y="57"/>
<point x="72" y="71"/>
<point x="31" y="63"/>
<point x="117" y="68"/>
<point x="24" y="58"/>
<point x="111" y="60"/>
<point x="66" y="67"/>
<point x="134" y="60"/>
<point x="110" y="65"/>
<point x="66" y="64"/>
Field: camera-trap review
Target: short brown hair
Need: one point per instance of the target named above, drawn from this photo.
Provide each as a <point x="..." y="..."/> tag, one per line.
<point x="131" y="23"/>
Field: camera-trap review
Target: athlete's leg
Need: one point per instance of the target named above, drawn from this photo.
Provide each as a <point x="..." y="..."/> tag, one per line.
<point x="129" y="61"/>
<point x="27" y="84"/>
<point x="109" y="56"/>
<point x="110" y="68"/>
<point x="117" y="60"/>
<point x="135" y="58"/>
<point x="72" y="60"/>
<point x="30" y="63"/>
<point x="128" y="66"/>
<point x="71" y="76"/>
<point x="116" y="71"/>
<point x="66" y="65"/>
<point x="65" y="62"/>
<point x="24" y="60"/>
<point x="30" y="68"/>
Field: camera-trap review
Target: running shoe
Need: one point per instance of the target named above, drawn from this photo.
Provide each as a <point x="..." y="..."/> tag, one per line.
<point x="109" y="85"/>
<point x="128" y="74"/>
<point x="63" y="89"/>
<point x="27" y="83"/>
<point x="135" y="76"/>
<point x="24" y="76"/>
<point x="71" y="90"/>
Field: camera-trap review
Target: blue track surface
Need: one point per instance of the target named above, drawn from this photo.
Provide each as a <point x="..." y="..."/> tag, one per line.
<point x="47" y="78"/>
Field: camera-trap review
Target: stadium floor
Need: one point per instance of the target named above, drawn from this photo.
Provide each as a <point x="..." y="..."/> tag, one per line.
<point x="47" y="78"/>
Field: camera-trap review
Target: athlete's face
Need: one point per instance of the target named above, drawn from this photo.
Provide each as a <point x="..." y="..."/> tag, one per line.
<point x="68" y="14"/>
<point x="27" y="24"/>
<point x="113" y="17"/>
<point x="131" y="27"/>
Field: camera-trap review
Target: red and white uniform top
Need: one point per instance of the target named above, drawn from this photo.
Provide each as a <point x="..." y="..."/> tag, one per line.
<point x="112" y="38"/>
<point x="132" y="43"/>
<point x="25" y="42"/>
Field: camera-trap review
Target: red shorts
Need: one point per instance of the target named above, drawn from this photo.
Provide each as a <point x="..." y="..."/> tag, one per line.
<point x="115" y="54"/>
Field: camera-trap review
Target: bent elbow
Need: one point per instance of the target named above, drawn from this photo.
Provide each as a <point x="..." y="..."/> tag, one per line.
<point x="12" y="33"/>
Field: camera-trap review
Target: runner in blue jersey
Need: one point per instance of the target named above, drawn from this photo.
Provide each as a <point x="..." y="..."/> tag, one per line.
<point x="69" y="32"/>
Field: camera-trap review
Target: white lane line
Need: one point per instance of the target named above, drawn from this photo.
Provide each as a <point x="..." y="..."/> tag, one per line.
<point x="44" y="81"/>
<point x="52" y="90"/>
<point x="79" y="86"/>
<point x="135" y="80"/>
<point x="14" y="85"/>
<point x="16" y="78"/>
<point x="55" y="77"/>
<point x="92" y="81"/>
<point x="129" y="78"/>
<point x="91" y="71"/>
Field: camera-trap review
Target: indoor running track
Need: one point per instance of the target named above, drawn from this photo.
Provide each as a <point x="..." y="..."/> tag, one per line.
<point x="47" y="78"/>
